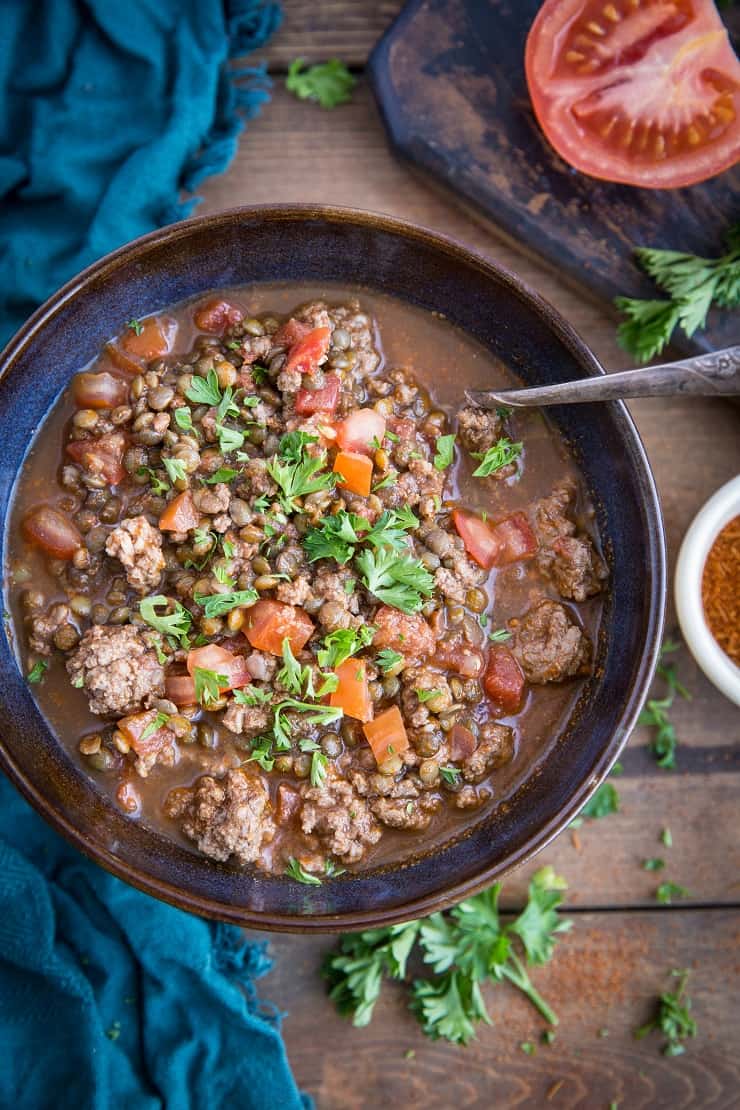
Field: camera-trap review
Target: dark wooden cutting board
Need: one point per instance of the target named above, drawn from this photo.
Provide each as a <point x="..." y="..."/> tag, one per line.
<point x="448" y="76"/>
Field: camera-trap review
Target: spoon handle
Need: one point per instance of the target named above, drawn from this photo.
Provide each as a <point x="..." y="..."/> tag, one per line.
<point x="715" y="373"/>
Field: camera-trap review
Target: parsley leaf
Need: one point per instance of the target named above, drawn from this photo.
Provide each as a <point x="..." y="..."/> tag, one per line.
<point x="298" y="479"/>
<point x="157" y="722"/>
<point x="329" y="83"/>
<point x="208" y="685"/>
<point x="176" y="623"/>
<point x="229" y="439"/>
<point x="387" y="659"/>
<point x="603" y="801"/>
<point x="204" y="391"/>
<point x="215" y="605"/>
<point x="500" y="636"/>
<point x="136" y="326"/>
<point x="335" y="538"/>
<point x="261" y="751"/>
<point x="693" y="285"/>
<point x="355" y="972"/>
<point x="501" y="454"/>
<point x="654" y="864"/>
<point x="158" y="484"/>
<point x="667" y="891"/>
<point x="673" y="1018"/>
<point x="297" y="871"/>
<point x="175" y="469"/>
<point x="341" y="644"/>
<point x="184" y="419"/>
<point x="252" y="695"/>
<point x="295" y="678"/>
<point x="655" y="714"/>
<point x="292" y="446"/>
<point x="397" y="580"/>
<point x="315" y="715"/>
<point x="227" y="406"/>
<point x="450" y="775"/>
<point x="223" y="474"/>
<point x="445" y="453"/>
<point x="37" y="671"/>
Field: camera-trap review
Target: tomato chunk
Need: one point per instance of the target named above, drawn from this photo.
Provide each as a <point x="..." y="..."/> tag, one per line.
<point x="268" y="623"/>
<point x="216" y="316"/>
<point x="212" y="657"/>
<point x="462" y="743"/>
<point x="495" y="545"/>
<point x="290" y="333"/>
<point x="99" y="391"/>
<point x="361" y="431"/>
<point x="50" y="530"/>
<point x="386" y="735"/>
<point x="134" y="727"/>
<point x="504" y="680"/>
<point x="180" y="688"/>
<point x="353" y="692"/>
<point x="307" y="353"/>
<point x="454" y="654"/>
<point x="150" y="340"/>
<point x="356" y="472"/>
<point x="102" y="456"/>
<point x="180" y="515"/>
<point x="309" y="401"/>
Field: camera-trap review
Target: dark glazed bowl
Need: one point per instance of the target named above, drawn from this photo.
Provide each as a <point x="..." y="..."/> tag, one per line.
<point x="322" y="244"/>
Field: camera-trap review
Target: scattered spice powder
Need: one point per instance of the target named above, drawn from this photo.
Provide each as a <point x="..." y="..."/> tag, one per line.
<point x="720" y="589"/>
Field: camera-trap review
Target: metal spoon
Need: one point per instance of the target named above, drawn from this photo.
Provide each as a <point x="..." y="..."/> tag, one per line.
<point x="716" y="373"/>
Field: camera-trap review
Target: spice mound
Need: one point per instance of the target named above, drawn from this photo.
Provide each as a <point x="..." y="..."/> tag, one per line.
<point x="720" y="589"/>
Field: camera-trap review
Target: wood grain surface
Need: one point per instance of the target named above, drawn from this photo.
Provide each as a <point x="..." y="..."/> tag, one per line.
<point x="622" y="945"/>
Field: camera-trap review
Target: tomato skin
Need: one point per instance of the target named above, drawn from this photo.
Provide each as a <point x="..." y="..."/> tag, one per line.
<point x="355" y="472"/>
<point x="134" y="727"/>
<point x="352" y="695"/>
<point x="359" y="429"/>
<point x="102" y="456"/>
<point x="495" y="544"/>
<point x="652" y="99"/>
<point x="47" y="528"/>
<point x="310" y="401"/>
<point x="307" y="353"/>
<point x="180" y="689"/>
<point x="180" y="515"/>
<point x="268" y="623"/>
<point x="480" y="542"/>
<point x="504" y="681"/>
<point x="290" y="333"/>
<point x="99" y="391"/>
<point x="216" y="316"/>
<point x="212" y="657"/>
<point x="386" y="731"/>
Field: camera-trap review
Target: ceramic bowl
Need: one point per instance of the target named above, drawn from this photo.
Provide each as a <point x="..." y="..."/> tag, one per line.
<point x="719" y="510"/>
<point x="320" y="244"/>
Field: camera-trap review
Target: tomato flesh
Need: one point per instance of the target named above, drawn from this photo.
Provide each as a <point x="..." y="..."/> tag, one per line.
<point x="643" y="92"/>
<point x="50" y="530"/>
<point x="503" y="680"/>
<point x="307" y="353"/>
<point x="310" y="401"/>
<point x="270" y="622"/>
<point x="180" y="515"/>
<point x="102" y="456"/>
<point x="99" y="391"/>
<point x="495" y="545"/>
<point x="216" y="316"/>
<point x="360" y="430"/>
<point x="211" y="657"/>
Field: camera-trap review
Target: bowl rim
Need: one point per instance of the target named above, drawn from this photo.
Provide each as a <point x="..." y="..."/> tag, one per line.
<point x="441" y="899"/>
<point x="718" y="511"/>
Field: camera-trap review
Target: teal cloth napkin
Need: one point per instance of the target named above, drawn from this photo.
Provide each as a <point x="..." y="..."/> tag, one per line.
<point x="109" y="112"/>
<point x="110" y="999"/>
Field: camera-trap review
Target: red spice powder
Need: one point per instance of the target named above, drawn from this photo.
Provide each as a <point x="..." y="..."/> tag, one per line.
<point x="720" y="589"/>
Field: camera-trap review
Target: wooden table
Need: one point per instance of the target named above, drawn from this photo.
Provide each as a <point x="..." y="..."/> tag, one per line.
<point x="610" y="967"/>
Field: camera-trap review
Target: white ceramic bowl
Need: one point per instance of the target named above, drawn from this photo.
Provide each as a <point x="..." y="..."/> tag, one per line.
<point x="707" y="524"/>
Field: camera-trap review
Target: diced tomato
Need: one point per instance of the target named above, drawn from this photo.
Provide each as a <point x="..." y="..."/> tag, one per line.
<point x="180" y="689"/>
<point x="503" y="680"/>
<point x="356" y="472"/>
<point x="151" y="339"/>
<point x="134" y="727"/>
<point x="386" y="735"/>
<point x="462" y="743"/>
<point x="646" y="92"/>
<point x="180" y="515"/>
<point x="102" y="456"/>
<point x="268" y="623"/>
<point x="353" y="692"/>
<point x="495" y="544"/>
<point x="99" y="391"/>
<point x="307" y="353"/>
<point x="212" y="657"/>
<point x="360" y="430"/>
<point x="454" y="654"/>
<point x="407" y="633"/>
<point x="309" y="401"/>
<point x="50" y="530"/>
<point x="216" y="316"/>
<point x="291" y="333"/>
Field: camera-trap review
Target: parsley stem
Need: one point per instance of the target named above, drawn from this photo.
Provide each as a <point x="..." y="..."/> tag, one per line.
<point x="518" y="976"/>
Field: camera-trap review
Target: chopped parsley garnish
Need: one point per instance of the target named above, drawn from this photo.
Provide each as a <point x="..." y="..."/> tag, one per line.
<point x="222" y="574"/>
<point x="315" y="715"/>
<point x="666" y="837"/>
<point x="227" y="547"/>
<point x="157" y="722"/>
<point x="528" y="1048"/>
<point x="215" y="605"/>
<point x="252" y="695"/>
<point x="328" y="83"/>
<point x="159" y="486"/>
<point x="445" y="453"/>
<point x="319" y="763"/>
<point x="427" y="695"/>
<point x="666" y="892"/>
<point x="176" y="624"/>
<point x="338" y="535"/>
<point x="296" y="679"/>
<point x="37" y="671"/>
<point x="175" y="469"/>
<point x="397" y="580"/>
<point x="501" y="454"/>
<point x="331" y="870"/>
<point x="297" y="871"/>
<point x="450" y="775"/>
<point x="654" y="864"/>
<point x="693" y="284"/>
<point x="261" y="752"/>
<point x="229" y="439"/>
<point x="208" y="685"/>
<point x="390" y="480"/>
<point x="223" y="474"/>
<point x="387" y="659"/>
<point x="603" y="801"/>
<point x="204" y="391"/>
<point x="343" y="643"/>
<point x="673" y="1018"/>
<point x="499" y="636"/>
<point x="655" y="714"/>
<point x="292" y="446"/>
<point x="184" y="419"/>
<point x="136" y="326"/>
<point x="226" y="406"/>
<point x="299" y="478"/>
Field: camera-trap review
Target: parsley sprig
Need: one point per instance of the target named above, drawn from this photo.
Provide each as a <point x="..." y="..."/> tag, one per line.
<point x="329" y="83"/>
<point x="175" y="623"/>
<point x="338" y="536"/>
<point x="655" y="714"/>
<point x="501" y="454"/>
<point x="464" y="949"/>
<point x="693" y="285"/>
<point x="215" y="605"/>
<point x="344" y="642"/>
<point x="673" y="1018"/>
<point x="395" y="579"/>
<point x="299" y="478"/>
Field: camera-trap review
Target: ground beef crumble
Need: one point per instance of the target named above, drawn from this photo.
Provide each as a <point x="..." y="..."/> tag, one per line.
<point x="138" y="548"/>
<point x="225" y="817"/>
<point x="117" y="668"/>
<point x="548" y="644"/>
<point x="336" y="815"/>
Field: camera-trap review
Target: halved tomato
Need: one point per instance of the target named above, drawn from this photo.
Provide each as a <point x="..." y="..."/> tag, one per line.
<point x="103" y="456"/>
<point x="644" y="92"/>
